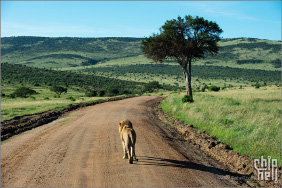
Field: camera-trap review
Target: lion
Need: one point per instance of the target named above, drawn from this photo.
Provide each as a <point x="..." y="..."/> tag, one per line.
<point x="128" y="140"/>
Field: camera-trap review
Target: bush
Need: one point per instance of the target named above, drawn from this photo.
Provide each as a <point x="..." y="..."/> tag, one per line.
<point x="91" y="94"/>
<point x="151" y="86"/>
<point x="58" y="90"/>
<point x="23" y="92"/>
<point x="126" y="92"/>
<point x="71" y="98"/>
<point x="187" y="98"/>
<point x="113" y="92"/>
<point x="257" y="85"/>
<point x="214" y="88"/>
<point x="101" y="93"/>
<point x="203" y="89"/>
<point x="32" y="98"/>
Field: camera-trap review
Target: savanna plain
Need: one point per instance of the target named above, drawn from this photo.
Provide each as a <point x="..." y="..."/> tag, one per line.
<point x="245" y="113"/>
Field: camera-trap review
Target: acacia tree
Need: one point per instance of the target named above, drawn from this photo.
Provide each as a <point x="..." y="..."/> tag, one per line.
<point x="58" y="90"/>
<point x="183" y="39"/>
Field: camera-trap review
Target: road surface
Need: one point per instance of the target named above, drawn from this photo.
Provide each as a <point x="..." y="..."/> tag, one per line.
<point x="83" y="149"/>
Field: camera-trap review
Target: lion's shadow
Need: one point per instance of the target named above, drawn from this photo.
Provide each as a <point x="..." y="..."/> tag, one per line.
<point x="146" y="160"/>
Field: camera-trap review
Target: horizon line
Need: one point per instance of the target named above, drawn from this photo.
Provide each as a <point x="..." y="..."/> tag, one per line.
<point x="127" y="37"/>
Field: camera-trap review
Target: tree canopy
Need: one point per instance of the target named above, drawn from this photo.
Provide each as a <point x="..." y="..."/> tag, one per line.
<point x="58" y="90"/>
<point x="23" y="92"/>
<point x="183" y="39"/>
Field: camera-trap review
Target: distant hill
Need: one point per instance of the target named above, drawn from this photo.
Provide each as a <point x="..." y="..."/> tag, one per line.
<point x="38" y="76"/>
<point x="64" y="52"/>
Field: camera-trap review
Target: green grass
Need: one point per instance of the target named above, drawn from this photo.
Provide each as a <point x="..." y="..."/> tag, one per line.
<point x="247" y="119"/>
<point x="45" y="100"/>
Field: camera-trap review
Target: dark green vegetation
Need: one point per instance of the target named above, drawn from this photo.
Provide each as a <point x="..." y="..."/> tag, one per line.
<point x="59" y="90"/>
<point x="23" y="92"/>
<point x="25" y="75"/>
<point x="151" y="86"/>
<point x="200" y="72"/>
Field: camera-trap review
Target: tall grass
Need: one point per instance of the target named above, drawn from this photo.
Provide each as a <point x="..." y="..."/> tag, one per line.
<point x="249" y="120"/>
<point x="45" y="100"/>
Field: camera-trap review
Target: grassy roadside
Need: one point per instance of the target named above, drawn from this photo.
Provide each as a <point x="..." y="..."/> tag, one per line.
<point x="45" y="100"/>
<point x="247" y="119"/>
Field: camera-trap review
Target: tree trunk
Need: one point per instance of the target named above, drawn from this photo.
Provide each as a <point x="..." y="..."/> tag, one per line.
<point x="187" y="75"/>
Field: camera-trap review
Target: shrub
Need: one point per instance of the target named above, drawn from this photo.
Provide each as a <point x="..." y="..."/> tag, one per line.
<point x="187" y="98"/>
<point x="71" y="98"/>
<point x="91" y="94"/>
<point x="32" y="97"/>
<point x="58" y="90"/>
<point x="126" y="92"/>
<point x="23" y="92"/>
<point x="151" y="86"/>
<point x="113" y="92"/>
<point x="214" y="88"/>
<point x="257" y="85"/>
<point x="101" y="93"/>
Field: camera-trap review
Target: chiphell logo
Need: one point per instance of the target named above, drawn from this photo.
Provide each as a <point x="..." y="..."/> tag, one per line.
<point x="266" y="168"/>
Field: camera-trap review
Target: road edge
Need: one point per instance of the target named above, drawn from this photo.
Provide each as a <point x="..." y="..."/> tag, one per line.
<point x="200" y="139"/>
<point x="27" y="122"/>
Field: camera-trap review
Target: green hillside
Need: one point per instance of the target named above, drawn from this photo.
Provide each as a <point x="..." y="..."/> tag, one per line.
<point x="24" y="75"/>
<point x="241" y="61"/>
<point x="63" y="52"/>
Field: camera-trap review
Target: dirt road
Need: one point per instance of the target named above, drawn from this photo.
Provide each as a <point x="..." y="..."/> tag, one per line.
<point x="83" y="149"/>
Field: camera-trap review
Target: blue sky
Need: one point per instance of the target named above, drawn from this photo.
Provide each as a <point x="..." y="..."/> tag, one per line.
<point x="255" y="19"/>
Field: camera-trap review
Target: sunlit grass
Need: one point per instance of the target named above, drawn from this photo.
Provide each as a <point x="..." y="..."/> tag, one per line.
<point x="45" y="100"/>
<point x="249" y="120"/>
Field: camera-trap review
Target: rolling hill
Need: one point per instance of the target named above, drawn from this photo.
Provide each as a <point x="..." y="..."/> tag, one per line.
<point x="64" y="52"/>
<point x="239" y="61"/>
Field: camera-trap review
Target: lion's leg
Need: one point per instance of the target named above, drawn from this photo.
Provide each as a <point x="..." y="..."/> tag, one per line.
<point x="124" y="151"/>
<point x="133" y="151"/>
<point x="130" y="153"/>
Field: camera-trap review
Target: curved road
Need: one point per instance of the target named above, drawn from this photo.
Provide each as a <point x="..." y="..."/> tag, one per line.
<point x="83" y="149"/>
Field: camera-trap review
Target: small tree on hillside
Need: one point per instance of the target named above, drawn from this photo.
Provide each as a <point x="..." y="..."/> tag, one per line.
<point x="58" y="90"/>
<point x="183" y="39"/>
<point x="23" y="92"/>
